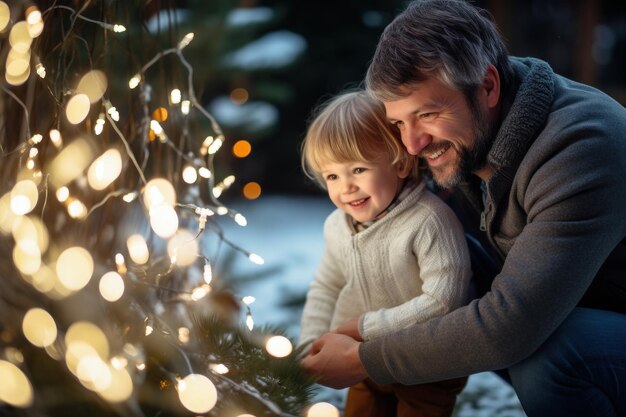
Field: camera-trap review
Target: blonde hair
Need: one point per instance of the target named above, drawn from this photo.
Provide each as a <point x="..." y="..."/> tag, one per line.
<point x="352" y="127"/>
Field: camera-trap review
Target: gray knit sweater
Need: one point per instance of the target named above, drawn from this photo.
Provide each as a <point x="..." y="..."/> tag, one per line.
<point x="407" y="267"/>
<point x="556" y="215"/>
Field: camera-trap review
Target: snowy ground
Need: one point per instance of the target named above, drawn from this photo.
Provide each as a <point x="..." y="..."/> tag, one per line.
<point x="287" y="233"/>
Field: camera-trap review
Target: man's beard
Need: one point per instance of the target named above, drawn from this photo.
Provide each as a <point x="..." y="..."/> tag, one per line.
<point x="471" y="158"/>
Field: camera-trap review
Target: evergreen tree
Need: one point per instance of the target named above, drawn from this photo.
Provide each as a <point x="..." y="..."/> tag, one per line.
<point x="110" y="303"/>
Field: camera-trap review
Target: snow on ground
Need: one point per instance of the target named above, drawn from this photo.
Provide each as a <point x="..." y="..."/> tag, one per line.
<point x="286" y="231"/>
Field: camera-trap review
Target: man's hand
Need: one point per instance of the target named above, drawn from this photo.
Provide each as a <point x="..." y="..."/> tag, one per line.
<point x="334" y="358"/>
<point x="350" y="328"/>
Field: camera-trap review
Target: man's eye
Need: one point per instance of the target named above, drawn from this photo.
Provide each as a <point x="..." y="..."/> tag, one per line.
<point x="429" y="115"/>
<point x="399" y="124"/>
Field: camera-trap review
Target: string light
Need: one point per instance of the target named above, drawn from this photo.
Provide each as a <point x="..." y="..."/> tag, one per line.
<point x="186" y="40"/>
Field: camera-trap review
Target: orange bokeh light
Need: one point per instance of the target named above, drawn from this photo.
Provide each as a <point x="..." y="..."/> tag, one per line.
<point x="160" y="114"/>
<point x="252" y="190"/>
<point x="242" y="148"/>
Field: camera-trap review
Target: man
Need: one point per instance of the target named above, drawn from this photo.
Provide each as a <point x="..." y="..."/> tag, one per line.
<point x="540" y="162"/>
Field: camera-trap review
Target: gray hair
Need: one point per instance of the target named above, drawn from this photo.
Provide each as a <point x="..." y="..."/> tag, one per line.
<point x="449" y="39"/>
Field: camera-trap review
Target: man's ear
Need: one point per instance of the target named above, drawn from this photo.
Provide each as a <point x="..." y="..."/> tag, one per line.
<point x="490" y="88"/>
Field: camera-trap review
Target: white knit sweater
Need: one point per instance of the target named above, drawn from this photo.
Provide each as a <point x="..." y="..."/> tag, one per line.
<point x="411" y="265"/>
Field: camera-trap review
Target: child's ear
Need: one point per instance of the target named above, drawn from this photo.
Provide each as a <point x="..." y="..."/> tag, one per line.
<point x="404" y="167"/>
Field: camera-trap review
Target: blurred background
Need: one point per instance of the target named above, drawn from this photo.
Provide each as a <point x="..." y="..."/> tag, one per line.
<point x="264" y="65"/>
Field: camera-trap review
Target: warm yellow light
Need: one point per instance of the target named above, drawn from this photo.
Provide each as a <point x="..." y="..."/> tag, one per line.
<point x="160" y="114"/>
<point x="121" y="387"/>
<point x="134" y="82"/>
<point x="17" y="63"/>
<point x="186" y="40"/>
<point x="70" y="163"/>
<point x="16" y="389"/>
<point x="31" y="228"/>
<point x="252" y="190"/>
<point x="278" y="346"/>
<point x="190" y="175"/>
<point x="35" y="29"/>
<point x="119" y="28"/>
<point x="89" y="334"/>
<point x="175" y="96"/>
<point x="239" y="95"/>
<point x="215" y="146"/>
<point x="204" y="172"/>
<point x="248" y="299"/>
<point x="39" y="327"/>
<point x="111" y="286"/>
<point x="7" y="217"/>
<point x="164" y="220"/>
<point x="93" y="84"/>
<point x="55" y="137"/>
<point x="94" y="373"/>
<point x="105" y="169"/>
<point x="242" y="148"/>
<point x="184" y="247"/>
<point x="19" y="38"/>
<point x="185" y="106"/>
<point x="27" y="256"/>
<point x="197" y="393"/>
<point x="322" y="409"/>
<point x="77" y="108"/>
<point x="24" y="196"/>
<point x="200" y="292"/>
<point x="76" y="209"/>
<point x="219" y="368"/>
<point x="159" y="191"/>
<point x="33" y="15"/>
<point x="74" y="267"/>
<point x="138" y="249"/>
<point x="5" y="16"/>
<point x="240" y="219"/>
<point x="62" y="194"/>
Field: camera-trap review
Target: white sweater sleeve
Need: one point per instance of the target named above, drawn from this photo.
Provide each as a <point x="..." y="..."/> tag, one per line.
<point x="445" y="271"/>
<point x="321" y="298"/>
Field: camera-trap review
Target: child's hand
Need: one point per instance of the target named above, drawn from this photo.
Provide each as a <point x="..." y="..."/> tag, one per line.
<point x="351" y="328"/>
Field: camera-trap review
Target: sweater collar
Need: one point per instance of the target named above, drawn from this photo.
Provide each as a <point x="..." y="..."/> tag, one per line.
<point x="527" y="113"/>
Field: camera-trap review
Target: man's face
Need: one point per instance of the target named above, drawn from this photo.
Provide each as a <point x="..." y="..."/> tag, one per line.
<point x="439" y="125"/>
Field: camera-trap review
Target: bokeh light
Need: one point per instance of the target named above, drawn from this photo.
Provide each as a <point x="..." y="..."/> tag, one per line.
<point x="242" y="148"/>
<point x="93" y="84"/>
<point x="111" y="286"/>
<point x="24" y="196"/>
<point x="252" y="190"/>
<point x="160" y="114"/>
<point x="159" y="191"/>
<point x="164" y="220"/>
<point x="15" y="389"/>
<point x="74" y="267"/>
<point x="197" y="393"/>
<point x="184" y="247"/>
<point x="39" y="327"/>
<point x="239" y="95"/>
<point x="278" y="346"/>
<point x="105" y="169"/>
<point x="138" y="249"/>
<point x="77" y="108"/>
<point x="322" y="409"/>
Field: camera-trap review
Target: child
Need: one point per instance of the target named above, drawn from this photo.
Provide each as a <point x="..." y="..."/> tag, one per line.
<point x="394" y="253"/>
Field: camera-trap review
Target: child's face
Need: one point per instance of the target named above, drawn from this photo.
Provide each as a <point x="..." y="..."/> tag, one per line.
<point x="362" y="189"/>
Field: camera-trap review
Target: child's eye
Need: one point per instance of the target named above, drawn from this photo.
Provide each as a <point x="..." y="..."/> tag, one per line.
<point x="331" y="177"/>
<point x="399" y="124"/>
<point x="359" y="170"/>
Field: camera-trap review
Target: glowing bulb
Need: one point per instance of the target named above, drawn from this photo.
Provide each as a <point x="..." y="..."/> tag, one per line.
<point x="39" y="327"/>
<point x="119" y="28"/>
<point x="62" y="194"/>
<point x="204" y="172"/>
<point x="186" y="40"/>
<point x="41" y="70"/>
<point x="129" y="197"/>
<point x="111" y="286"/>
<point x="77" y="108"/>
<point x="156" y="127"/>
<point x="185" y="106"/>
<point x="200" y="292"/>
<point x="183" y="335"/>
<point x="190" y="175"/>
<point x="248" y="299"/>
<point x="256" y="259"/>
<point x="74" y="268"/>
<point x="18" y="392"/>
<point x="322" y="409"/>
<point x="208" y="273"/>
<point x="221" y="210"/>
<point x="164" y="220"/>
<point x="249" y="321"/>
<point x="240" y="219"/>
<point x="219" y="368"/>
<point x="159" y="191"/>
<point x="120" y="263"/>
<point x="175" y="96"/>
<point x="105" y="169"/>
<point x="36" y="139"/>
<point x="138" y="249"/>
<point x="134" y="81"/>
<point x="76" y="209"/>
<point x="215" y="146"/>
<point x="278" y="346"/>
<point x="24" y="196"/>
<point x="197" y="393"/>
<point x="55" y="137"/>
